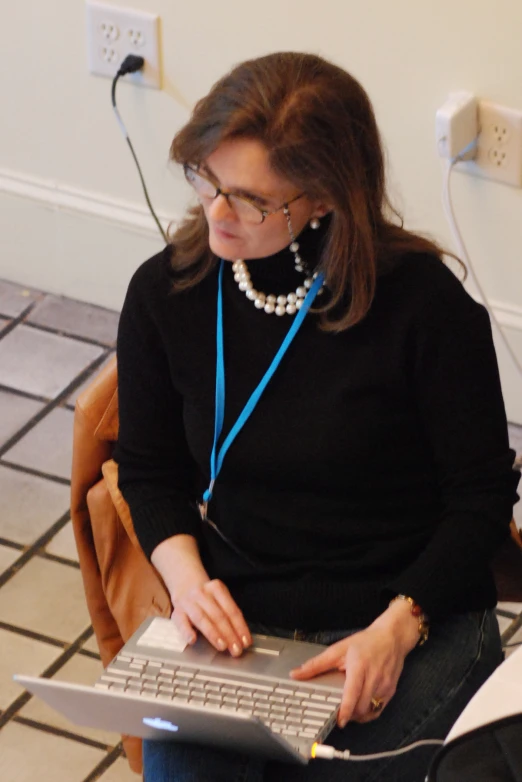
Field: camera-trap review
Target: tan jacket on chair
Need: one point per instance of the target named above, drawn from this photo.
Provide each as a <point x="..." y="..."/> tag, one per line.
<point x="121" y="586"/>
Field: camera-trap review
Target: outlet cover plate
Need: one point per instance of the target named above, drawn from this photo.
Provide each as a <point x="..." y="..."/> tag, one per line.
<point x="499" y="146"/>
<point x="113" y="33"/>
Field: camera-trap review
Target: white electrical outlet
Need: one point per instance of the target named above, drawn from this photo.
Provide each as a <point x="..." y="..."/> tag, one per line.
<point x="113" y="33"/>
<point x="499" y="147"/>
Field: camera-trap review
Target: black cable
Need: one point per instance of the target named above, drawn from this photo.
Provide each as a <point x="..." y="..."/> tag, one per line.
<point x="131" y="64"/>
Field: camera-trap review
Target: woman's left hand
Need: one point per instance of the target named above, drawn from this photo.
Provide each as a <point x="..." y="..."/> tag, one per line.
<point x="372" y="659"/>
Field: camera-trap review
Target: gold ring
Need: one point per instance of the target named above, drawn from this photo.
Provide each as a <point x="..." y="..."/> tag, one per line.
<point x="377" y="704"/>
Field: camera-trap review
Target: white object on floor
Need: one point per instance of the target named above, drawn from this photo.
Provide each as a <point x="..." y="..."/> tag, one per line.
<point x="500" y="696"/>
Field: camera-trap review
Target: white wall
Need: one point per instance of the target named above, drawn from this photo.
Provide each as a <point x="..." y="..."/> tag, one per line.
<point x="72" y="219"/>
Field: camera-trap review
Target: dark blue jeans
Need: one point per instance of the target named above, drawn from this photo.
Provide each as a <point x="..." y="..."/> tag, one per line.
<point x="437" y="682"/>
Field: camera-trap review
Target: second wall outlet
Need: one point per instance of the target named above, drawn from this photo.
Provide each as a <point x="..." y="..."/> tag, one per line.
<point x="499" y="146"/>
<point x="113" y="33"/>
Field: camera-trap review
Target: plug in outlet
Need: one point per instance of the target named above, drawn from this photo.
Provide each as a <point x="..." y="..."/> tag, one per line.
<point x="456" y="125"/>
<point x="499" y="147"/>
<point x="113" y="33"/>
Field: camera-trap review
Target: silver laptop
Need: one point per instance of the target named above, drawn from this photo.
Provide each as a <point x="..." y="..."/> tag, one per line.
<point x="157" y="687"/>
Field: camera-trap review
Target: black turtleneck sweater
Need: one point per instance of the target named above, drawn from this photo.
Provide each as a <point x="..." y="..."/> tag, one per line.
<point x="376" y="462"/>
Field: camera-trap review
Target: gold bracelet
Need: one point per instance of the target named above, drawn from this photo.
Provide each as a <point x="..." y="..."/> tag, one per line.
<point x="418" y="613"/>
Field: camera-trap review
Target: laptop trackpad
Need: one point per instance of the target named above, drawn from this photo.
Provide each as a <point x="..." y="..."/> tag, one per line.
<point x="258" y="658"/>
<point x="247" y="663"/>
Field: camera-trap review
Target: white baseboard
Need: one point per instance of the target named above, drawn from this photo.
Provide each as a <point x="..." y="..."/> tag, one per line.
<point x="509" y="315"/>
<point x="56" y="195"/>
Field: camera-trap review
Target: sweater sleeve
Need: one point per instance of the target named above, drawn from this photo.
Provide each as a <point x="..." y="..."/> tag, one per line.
<point x="459" y="400"/>
<point x="156" y="470"/>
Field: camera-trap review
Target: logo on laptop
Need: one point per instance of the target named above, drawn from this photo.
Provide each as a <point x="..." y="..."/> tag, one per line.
<point x="157" y="722"/>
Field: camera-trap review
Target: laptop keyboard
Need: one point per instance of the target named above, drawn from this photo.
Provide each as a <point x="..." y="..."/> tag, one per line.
<point x="291" y="710"/>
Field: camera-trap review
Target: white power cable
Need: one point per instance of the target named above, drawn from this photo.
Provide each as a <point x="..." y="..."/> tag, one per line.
<point x="463" y="253"/>
<point x="325" y="752"/>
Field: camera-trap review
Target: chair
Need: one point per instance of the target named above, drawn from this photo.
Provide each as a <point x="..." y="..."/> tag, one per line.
<point x="121" y="586"/>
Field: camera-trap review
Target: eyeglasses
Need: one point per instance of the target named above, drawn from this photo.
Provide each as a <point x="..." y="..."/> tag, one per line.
<point x="244" y="207"/>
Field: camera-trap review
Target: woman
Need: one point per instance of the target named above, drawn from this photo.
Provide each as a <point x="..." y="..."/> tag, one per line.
<point x="371" y="484"/>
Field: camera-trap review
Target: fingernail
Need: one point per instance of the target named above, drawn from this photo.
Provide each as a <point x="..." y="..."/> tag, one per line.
<point x="236" y="650"/>
<point x="342" y="723"/>
<point x="245" y="641"/>
<point x="221" y="645"/>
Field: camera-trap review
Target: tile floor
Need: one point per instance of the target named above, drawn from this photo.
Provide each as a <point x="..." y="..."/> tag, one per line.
<point x="49" y="349"/>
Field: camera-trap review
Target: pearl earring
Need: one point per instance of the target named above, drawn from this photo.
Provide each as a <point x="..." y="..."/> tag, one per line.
<point x="315" y="223"/>
<point x="294" y="247"/>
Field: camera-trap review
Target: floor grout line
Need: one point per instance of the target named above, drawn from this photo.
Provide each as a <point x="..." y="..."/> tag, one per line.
<point x="510" y="631"/>
<point x="34" y="548"/>
<point x="58" y="559"/>
<point x="51" y="669"/>
<point x="62" y="733"/>
<point x="18" y="319"/>
<point x="24" y="394"/>
<point x="36" y="292"/>
<point x="62" y="333"/>
<point x="43" y="554"/>
<point x="12" y="544"/>
<point x="33" y="635"/>
<point x="49" y="405"/>
<point x="84" y="375"/>
<point x="506" y="614"/>
<point x="105" y="764"/>
<point x="37" y="473"/>
<point x="88" y="653"/>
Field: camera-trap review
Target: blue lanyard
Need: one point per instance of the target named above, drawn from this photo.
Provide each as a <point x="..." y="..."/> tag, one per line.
<point x="216" y="459"/>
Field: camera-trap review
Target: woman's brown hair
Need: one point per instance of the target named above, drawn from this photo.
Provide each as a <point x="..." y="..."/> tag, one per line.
<point x="319" y="128"/>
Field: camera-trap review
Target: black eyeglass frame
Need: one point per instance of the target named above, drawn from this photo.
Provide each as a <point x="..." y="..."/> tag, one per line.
<point x="226" y="194"/>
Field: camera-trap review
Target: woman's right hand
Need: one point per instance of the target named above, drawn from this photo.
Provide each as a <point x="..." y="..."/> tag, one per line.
<point x="199" y="602"/>
<point x="209" y="607"/>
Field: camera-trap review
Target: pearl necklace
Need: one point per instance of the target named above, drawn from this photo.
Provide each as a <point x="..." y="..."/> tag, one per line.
<point x="270" y="303"/>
